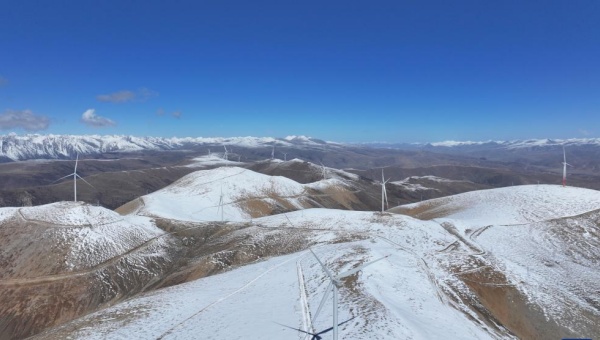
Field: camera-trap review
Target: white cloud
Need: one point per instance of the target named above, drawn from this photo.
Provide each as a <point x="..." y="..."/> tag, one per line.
<point x="144" y="94"/>
<point x="176" y="114"/>
<point x="117" y="97"/>
<point x="160" y="111"/>
<point x="24" y="119"/>
<point x="90" y="118"/>
<point x="125" y="96"/>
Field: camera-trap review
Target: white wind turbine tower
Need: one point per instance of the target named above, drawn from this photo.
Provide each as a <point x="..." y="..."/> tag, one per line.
<point x="75" y="175"/>
<point x="226" y="152"/>
<point x="323" y="171"/>
<point x="334" y="284"/>
<point x="564" y="180"/>
<point x="284" y="156"/>
<point x="221" y="204"/>
<point x="273" y="152"/>
<point x="384" y="198"/>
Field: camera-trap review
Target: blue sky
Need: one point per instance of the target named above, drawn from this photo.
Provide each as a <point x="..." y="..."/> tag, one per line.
<point x="397" y="71"/>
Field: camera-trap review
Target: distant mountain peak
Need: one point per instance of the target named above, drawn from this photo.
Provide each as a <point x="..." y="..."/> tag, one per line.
<point x="15" y="147"/>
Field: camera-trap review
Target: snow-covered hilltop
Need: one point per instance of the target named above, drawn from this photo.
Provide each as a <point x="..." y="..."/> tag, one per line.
<point x="17" y="148"/>
<point x="237" y="194"/>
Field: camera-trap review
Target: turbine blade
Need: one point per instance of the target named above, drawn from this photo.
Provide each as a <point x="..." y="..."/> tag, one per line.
<point x="327" y="291"/>
<point x="69" y="175"/>
<point x="359" y="268"/>
<point x="88" y="183"/>
<point x="296" y="329"/>
<point x="323" y="266"/>
<point x="339" y="324"/>
<point x="76" y="161"/>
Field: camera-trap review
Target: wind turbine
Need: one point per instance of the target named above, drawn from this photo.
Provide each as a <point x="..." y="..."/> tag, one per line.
<point x="75" y="175"/>
<point x="334" y="284"/>
<point x="315" y="336"/>
<point x="564" y="181"/>
<point x="284" y="156"/>
<point x="221" y="204"/>
<point x="273" y="152"/>
<point x="226" y="152"/>
<point x="384" y="198"/>
<point x="323" y="171"/>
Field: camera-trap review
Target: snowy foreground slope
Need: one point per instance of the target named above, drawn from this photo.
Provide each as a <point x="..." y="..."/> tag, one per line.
<point x="518" y="262"/>
<point x="392" y="299"/>
<point x="546" y="238"/>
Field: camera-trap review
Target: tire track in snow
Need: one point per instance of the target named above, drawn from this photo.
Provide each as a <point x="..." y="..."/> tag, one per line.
<point x="249" y="283"/>
<point x="420" y="261"/>
<point x="424" y="266"/>
<point x="306" y="319"/>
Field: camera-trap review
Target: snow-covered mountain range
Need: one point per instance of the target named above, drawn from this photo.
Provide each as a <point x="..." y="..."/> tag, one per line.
<point x="524" y="143"/>
<point x="33" y="146"/>
<point x="491" y="144"/>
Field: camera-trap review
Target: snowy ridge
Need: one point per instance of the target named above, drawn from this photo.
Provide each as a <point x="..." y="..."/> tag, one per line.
<point x="211" y="160"/>
<point x="556" y="263"/>
<point x="34" y="146"/>
<point x="510" y="205"/>
<point x="197" y="196"/>
<point x="543" y="238"/>
<point x="84" y="235"/>
<point x="407" y="185"/>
